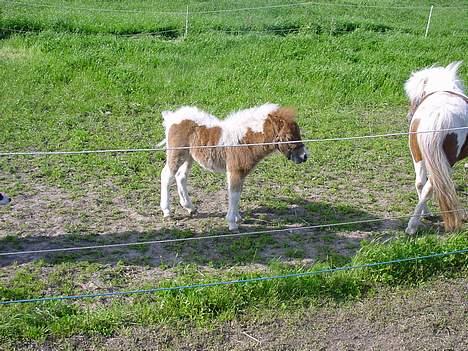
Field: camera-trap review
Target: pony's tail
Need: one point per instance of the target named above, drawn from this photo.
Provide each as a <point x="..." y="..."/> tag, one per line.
<point x="439" y="170"/>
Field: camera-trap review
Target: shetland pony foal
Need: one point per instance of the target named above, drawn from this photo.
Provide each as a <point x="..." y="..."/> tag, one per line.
<point x="437" y="102"/>
<point x="190" y="127"/>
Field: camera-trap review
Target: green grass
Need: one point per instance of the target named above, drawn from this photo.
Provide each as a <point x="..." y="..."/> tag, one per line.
<point x="201" y="306"/>
<point x="73" y="78"/>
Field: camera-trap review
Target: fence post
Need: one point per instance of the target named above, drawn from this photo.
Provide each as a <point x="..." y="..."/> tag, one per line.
<point x="186" y="23"/>
<point x="428" y="21"/>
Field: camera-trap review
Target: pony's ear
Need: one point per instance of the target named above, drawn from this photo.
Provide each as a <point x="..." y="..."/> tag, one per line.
<point x="454" y="66"/>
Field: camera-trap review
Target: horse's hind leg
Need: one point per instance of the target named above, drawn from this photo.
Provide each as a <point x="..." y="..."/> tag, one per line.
<point x="420" y="182"/>
<point x="181" y="180"/>
<point x="415" y="220"/>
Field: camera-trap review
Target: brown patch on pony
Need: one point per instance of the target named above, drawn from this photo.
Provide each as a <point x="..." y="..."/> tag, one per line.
<point x="280" y="125"/>
<point x="211" y="158"/>
<point x="450" y="146"/>
<point x="188" y="133"/>
<point x="177" y="137"/>
<point x="243" y="159"/>
<point x="413" y="141"/>
<point x="287" y="114"/>
<point x="285" y="128"/>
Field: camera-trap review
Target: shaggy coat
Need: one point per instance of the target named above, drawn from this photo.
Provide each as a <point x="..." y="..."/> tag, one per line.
<point x="189" y="127"/>
<point x="437" y="102"/>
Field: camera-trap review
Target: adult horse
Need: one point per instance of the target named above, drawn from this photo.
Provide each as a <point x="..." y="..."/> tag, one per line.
<point x="217" y="145"/>
<point x="437" y="103"/>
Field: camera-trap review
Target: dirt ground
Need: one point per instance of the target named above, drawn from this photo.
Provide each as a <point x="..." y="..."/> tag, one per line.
<point x="430" y="317"/>
<point x="46" y="217"/>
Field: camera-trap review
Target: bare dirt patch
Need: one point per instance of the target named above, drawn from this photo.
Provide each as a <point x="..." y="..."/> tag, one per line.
<point x="45" y="217"/>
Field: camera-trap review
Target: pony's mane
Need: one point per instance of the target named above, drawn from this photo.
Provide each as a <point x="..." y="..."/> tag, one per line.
<point x="234" y="127"/>
<point x="432" y="79"/>
<point x="237" y="123"/>
<point x="189" y="113"/>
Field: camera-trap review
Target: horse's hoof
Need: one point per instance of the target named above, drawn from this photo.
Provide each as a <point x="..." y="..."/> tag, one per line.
<point x="166" y="214"/>
<point x="430" y="217"/>
<point x="411" y="230"/>
<point x="233" y="227"/>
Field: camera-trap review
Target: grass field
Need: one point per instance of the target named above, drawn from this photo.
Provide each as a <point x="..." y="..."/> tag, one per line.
<point x="84" y="74"/>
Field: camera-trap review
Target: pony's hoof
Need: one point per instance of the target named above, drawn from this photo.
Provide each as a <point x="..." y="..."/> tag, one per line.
<point x="411" y="230"/>
<point x="166" y="214"/>
<point x="233" y="227"/>
<point x="191" y="211"/>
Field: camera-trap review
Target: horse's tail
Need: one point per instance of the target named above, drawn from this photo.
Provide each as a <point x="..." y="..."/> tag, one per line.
<point x="439" y="170"/>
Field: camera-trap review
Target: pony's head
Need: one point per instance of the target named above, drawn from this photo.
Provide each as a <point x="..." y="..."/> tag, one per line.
<point x="432" y="79"/>
<point x="287" y="129"/>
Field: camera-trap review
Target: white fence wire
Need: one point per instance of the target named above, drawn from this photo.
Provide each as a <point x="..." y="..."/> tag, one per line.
<point x="113" y="151"/>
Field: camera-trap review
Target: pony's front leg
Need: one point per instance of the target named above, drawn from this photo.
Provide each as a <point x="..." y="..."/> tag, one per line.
<point x="166" y="178"/>
<point x="415" y="220"/>
<point x="235" y="182"/>
<point x="420" y="182"/>
<point x="181" y="180"/>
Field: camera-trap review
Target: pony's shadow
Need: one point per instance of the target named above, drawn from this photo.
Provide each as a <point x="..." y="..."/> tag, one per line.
<point x="314" y="231"/>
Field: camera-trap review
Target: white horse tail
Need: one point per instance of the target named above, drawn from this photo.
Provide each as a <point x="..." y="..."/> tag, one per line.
<point x="439" y="170"/>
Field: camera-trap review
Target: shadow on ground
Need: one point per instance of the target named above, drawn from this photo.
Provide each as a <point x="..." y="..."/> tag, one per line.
<point x="302" y="240"/>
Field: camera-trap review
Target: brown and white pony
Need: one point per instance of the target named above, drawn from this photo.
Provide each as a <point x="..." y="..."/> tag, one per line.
<point x="437" y="102"/>
<point x="191" y="127"/>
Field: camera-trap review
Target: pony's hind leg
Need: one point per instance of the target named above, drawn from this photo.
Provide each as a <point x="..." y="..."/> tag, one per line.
<point x="167" y="176"/>
<point x="177" y="165"/>
<point x="415" y="220"/>
<point x="420" y="182"/>
<point x="181" y="180"/>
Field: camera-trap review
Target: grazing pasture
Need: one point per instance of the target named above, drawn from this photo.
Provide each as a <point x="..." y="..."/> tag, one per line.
<point x="90" y="75"/>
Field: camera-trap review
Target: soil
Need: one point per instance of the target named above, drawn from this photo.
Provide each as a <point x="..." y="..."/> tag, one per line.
<point x="45" y="217"/>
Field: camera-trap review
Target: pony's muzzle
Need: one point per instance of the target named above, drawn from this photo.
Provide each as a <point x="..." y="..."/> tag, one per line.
<point x="299" y="155"/>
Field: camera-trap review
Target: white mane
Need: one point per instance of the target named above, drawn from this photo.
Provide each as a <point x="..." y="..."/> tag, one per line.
<point x="234" y="127"/>
<point x="433" y="79"/>
<point x="200" y="117"/>
<point x="237" y="123"/>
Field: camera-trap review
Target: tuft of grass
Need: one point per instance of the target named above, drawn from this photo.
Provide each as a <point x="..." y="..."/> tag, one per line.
<point x="208" y="305"/>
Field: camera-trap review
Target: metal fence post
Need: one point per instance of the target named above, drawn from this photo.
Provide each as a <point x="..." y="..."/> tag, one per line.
<point x="428" y="21"/>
